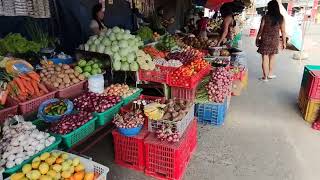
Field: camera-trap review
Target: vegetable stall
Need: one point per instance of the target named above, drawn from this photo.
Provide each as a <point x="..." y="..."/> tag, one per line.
<point x="59" y="106"/>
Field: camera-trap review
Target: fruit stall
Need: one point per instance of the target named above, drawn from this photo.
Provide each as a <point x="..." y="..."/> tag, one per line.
<point x="55" y="110"/>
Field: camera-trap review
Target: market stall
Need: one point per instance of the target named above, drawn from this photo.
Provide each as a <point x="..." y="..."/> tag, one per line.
<point x="68" y="104"/>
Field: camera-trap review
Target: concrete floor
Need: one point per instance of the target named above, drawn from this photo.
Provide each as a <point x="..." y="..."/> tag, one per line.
<point x="264" y="137"/>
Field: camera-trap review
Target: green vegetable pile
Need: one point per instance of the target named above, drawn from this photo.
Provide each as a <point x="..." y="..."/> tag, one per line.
<point x="55" y="109"/>
<point x="166" y="43"/>
<point x="88" y="68"/>
<point x="145" y="33"/>
<point x="202" y="95"/>
<point x="16" y="44"/>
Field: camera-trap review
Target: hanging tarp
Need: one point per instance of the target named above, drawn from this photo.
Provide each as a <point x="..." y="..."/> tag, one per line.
<point x="31" y="8"/>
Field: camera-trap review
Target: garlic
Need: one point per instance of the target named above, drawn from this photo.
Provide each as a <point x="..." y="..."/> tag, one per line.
<point x="18" y="160"/>
<point x="10" y="164"/>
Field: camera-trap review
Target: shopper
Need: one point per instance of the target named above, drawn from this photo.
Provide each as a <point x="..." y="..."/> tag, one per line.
<point x="228" y="25"/>
<point x="268" y="38"/>
<point x="96" y="24"/>
<point x="202" y="25"/>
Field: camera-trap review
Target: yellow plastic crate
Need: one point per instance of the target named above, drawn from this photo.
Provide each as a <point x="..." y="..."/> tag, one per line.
<point x="310" y="108"/>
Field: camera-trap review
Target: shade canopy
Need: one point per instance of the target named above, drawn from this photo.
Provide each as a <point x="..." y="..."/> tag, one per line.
<point x="215" y="4"/>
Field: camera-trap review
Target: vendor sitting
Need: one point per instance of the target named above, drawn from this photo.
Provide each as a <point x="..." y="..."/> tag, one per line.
<point x="96" y="24"/>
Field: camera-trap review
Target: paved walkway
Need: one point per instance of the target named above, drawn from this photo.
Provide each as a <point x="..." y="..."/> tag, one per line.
<point x="264" y="137"/>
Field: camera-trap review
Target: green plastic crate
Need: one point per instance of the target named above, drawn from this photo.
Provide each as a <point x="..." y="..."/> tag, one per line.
<point x="47" y="149"/>
<point x="134" y="96"/>
<point x="306" y="71"/>
<point x="68" y="140"/>
<point x="104" y="117"/>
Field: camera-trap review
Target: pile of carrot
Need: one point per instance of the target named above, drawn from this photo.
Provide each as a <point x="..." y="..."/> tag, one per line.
<point x="155" y="53"/>
<point x="26" y="86"/>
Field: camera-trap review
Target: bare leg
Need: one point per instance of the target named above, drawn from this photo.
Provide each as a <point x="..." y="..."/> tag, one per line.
<point x="272" y="59"/>
<point x="265" y="66"/>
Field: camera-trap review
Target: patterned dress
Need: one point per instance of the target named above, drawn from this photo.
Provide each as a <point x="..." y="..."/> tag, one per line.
<point x="270" y="37"/>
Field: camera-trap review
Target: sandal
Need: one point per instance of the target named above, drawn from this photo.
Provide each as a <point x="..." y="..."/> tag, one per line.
<point x="272" y="76"/>
<point x="264" y="79"/>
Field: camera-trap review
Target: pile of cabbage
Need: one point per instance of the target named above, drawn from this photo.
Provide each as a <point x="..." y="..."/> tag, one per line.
<point x="122" y="47"/>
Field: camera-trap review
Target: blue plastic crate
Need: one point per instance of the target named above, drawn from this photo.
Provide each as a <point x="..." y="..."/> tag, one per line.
<point x="62" y="61"/>
<point x="211" y="113"/>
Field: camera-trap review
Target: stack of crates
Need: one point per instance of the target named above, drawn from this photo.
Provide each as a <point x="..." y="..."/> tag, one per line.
<point x="309" y="95"/>
<point x="168" y="161"/>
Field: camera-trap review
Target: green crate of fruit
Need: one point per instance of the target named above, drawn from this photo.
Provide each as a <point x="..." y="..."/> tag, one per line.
<point x="47" y="149"/>
<point x="104" y="117"/>
<point x="134" y="96"/>
<point x="68" y="140"/>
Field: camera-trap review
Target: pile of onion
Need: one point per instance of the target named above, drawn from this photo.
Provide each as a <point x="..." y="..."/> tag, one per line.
<point x="219" y="86"/>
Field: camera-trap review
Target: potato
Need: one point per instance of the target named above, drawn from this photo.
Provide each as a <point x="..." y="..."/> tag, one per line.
<point x="71" y="71"/>
<point x="65" y="66"/>
<point x="53" y="79"/>
<point x="67" y="85"/>
<point x="66" y="80"/>
<point x="76" y="73"/>
<point x="59" y="80"/>
<point x="58" y="68"/>
<point x="50" y="69"/>
<point x="61" y="76"/>
<point x="41" y="75"/>
<point x="44" y="70"/>
<point x="55" y="84"/>
<point x="75" y="80"/>
<point x="71" y="76"/>
<point x="81" y="77"/>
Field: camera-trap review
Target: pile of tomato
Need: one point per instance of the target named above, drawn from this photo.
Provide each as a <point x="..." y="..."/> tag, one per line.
<point x="188" y="75"/>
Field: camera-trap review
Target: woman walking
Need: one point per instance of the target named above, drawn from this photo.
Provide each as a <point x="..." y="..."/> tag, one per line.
<point x="268" y="38"/>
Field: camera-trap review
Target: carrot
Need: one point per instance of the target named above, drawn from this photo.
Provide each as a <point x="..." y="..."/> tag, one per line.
<point x="28" y="86"/>
<point x="43" y="88"/>
<point x="33" y="75"/>
<point x="22" y="98"/>
<point x="20" y="84"/>
<point x="35" y="87"/>
<point x="3" y="96"/>
<point x="25" y="77"/>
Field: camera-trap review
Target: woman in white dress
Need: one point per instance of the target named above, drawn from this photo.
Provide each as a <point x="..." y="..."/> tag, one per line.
<point x="96" y="24"/>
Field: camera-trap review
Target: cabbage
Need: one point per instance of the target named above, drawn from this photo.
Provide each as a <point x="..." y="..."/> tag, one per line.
<point x="134" y="66"/>
<point x="119" y="36"/>
<point x="131" y="43"/>
<point x="127" y="32"/>
<point x="114" y="43"/>
<point x="93" y="48"/>
<point x="126" y="36"/>
<point x="112" y="37"/>
<point x="86" y="47"/>
<point x="97" y="42"/>
<point x="108" y="50"/>
<point x="125" y="66"/>
<point x="115" y="48"/>
<point x="101" y="49"/>
<point x="123" y="59"/>
<point x="116" y="29"/>
<point x="122" y="30"/>
<point x="106" y="41"/>
<point x="123" y="52"/>
<point x="116" y="65"/>
<point x="116" y="57"/>
<point x="130" y="57"/>
<point x="123" y="44"/>
<point x="109" y="31"/>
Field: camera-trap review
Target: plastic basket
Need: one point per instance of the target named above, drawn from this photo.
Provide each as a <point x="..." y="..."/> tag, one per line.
<point x="168" y="161"/>
<point x="211" y="113"/>
<point x="306" y="72"/>
<point x="190" y="81"/>
<point x="52" y="118"/>
<point x="106" y="116"/>
<point x="49" y="148"/>
<point x="134" y="96"/>
<point x="309" y="108"/>
<point x="62" y="61"/>
<point x="160" y="74"/>
<point x="33" y="104"/>
<point x="71" y="91"/>
<point x="183" y="93"/>
<point x="313" y="85"/>
<point x="90" y="166"/>
<point x="179" y="126"/>
<point x="129" y="132"/>
<point x="11" y="109"/>
<point x="129" y="151"/>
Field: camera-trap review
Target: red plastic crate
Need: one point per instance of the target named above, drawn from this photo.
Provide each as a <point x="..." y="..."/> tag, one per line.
<point x="33" y="104"/>
<point x="71" y="91"/>
<point x="190" y="81"/>
<point x="160" y="74"/>
<point x="193" y="133"/>
<point x="129" y="151"/>
<point x="183" y="93"/>
<point x="11" y="109"/>
<point x="313" y="85"/>
<point x="169" y="160"/>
